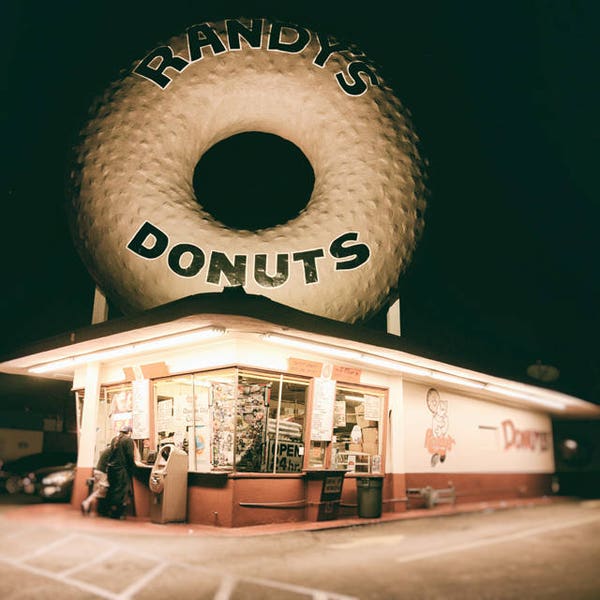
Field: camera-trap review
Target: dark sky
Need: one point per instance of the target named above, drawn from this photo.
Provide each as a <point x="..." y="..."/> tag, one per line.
<point x="504" y="98"/>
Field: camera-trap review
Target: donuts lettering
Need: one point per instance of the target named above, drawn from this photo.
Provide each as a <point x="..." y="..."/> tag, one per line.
<point x="187" y="260"/>
<point x="146" y="240"/>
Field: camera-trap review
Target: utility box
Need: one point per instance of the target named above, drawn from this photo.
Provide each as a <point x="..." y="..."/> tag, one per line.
<point x="168" y="485"/>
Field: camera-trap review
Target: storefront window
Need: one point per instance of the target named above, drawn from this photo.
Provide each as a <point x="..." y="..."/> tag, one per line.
<point x="114" y="411"/>
<point x="247" y="421"/>
<point x="270" y="419"/>
<point x="79" y="396"/>
<point x="357" y="432"/>
<point x="196" y="413"/>
<point x="318" y="454"/>
<point x="255" y="422"/>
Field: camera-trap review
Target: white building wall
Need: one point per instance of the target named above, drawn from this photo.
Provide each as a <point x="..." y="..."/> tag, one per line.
<point x="396" y="457"/>
<point x="483" y="436"/>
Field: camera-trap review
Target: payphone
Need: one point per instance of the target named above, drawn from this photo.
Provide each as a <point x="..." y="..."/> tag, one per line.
<point x="168" y="485"/>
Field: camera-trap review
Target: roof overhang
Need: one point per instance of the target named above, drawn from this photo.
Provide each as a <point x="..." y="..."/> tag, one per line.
<point x="233" y="312"/>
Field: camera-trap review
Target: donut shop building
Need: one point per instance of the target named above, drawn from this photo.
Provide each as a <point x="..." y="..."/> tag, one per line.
<point x="280" y="413"/>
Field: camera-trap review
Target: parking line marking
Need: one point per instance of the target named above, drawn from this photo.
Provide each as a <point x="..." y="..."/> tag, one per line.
<point x="227" y="586"/>
<point x="97" y="559"/>
<point x="290" y="587"/>
<point x="47" y="547"/>
<point x="496" y="540"/>
<point x="87" y="587"/>
<point x="142" y="581"/>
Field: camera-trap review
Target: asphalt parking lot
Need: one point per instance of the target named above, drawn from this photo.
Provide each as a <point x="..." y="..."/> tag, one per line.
<point x="532" y="550"/>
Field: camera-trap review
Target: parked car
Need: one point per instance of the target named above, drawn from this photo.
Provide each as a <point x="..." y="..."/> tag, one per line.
<point x="48" y="474"/>
<point x="53" y="483"/>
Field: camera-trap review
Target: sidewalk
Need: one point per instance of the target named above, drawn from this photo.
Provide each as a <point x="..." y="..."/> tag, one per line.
<point x="65" y="516"/>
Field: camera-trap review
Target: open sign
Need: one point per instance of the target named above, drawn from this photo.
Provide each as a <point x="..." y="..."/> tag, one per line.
<point x="289" y="457"/>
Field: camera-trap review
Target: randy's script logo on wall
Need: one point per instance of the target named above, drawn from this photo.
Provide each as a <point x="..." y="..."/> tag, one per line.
<point x="437" y="440"/>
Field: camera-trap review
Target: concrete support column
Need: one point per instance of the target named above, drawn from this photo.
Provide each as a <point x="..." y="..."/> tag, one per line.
<point x="87" y="436"/>
<point x="393" y="318"/>
<point x="396" y="445"/>
<point x="100" y="307"/>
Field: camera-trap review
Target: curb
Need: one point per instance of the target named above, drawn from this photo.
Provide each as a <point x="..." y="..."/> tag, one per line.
<point x="64" y="515"/>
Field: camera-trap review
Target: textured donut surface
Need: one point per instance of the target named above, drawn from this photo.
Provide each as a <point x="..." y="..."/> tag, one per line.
<point x="145" y="238"/>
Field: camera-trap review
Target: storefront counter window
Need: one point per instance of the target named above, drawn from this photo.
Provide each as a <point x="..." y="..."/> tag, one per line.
<point x="247" y="421"/>
<point x="79" y="397"/>
<point x="354" y="442"/>
<point x="357" y="431"/>
<point x="271" y="412"/>
<point x="115" y="409"/>
<point x="233" y="420"/>
<point x="317" y="458"/>
<point x="196" y="413"/>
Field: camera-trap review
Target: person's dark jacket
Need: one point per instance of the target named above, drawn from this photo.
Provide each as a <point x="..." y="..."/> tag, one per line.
<point x="121" y="463"/>
<point x="103" y="459"/>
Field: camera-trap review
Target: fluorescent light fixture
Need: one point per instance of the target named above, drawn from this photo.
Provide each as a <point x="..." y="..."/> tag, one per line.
<point x="138" y="347"/>
<point x="393" y="365"/>
<point x="458" y="380"/>
<point x="450" y="375"/>
<point x="334" y="351"/>
<point x="512" y="393"/>
<point x="337" y="352"/>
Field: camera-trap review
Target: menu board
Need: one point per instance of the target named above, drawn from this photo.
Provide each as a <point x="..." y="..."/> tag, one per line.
<point x="120" y="409"/>
<point x="372" y="408"/>
<point x="164" y="414"/>
<point x="323" y="407"/>
<point x="339" y="413"/>
<point x="195" y="418"/>
<point x="140" y="409"/>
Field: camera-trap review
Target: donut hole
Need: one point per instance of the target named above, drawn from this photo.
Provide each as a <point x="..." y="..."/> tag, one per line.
<point x="253" y="181"/>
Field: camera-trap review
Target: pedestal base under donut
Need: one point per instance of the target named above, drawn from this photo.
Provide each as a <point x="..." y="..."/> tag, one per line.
<point x="147" y="241"/>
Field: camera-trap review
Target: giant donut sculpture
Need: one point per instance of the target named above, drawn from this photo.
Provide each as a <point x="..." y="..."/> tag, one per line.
<point x="134" y="216"/>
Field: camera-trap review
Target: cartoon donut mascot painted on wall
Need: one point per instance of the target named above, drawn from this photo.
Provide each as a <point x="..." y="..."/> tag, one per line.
<point x="134" y="215"/>
<point x="437" y="440"/>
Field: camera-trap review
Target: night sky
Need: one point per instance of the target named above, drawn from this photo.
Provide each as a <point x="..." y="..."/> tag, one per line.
<point x="504" y="98"/>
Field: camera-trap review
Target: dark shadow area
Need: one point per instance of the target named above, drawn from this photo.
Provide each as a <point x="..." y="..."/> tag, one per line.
<point x="577" y="455"/>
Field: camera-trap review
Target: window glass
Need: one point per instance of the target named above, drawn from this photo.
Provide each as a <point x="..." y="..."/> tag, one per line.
<point x="114" y="411"/>
<point x="196" y="413"/>
<point x="222" y="419"/>
<point x="357" y="439"/>
<point x="252" y="422"/>
<point x="318" y="454"/>
<point x="270" y="418"/>
<point x="79" y="396"/>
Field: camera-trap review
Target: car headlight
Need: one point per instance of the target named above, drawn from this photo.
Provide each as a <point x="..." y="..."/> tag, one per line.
<point x="58" y="478"/>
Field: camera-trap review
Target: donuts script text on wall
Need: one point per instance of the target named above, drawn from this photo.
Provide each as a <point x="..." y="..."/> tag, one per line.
<point x="134" y="216"/>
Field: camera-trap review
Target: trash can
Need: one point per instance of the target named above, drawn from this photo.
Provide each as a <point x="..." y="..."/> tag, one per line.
<point x="369" y="496"/>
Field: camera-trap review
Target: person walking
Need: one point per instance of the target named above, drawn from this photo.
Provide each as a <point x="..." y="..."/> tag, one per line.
<point x="100" y="487"/>
<point x="120" y="473"/>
